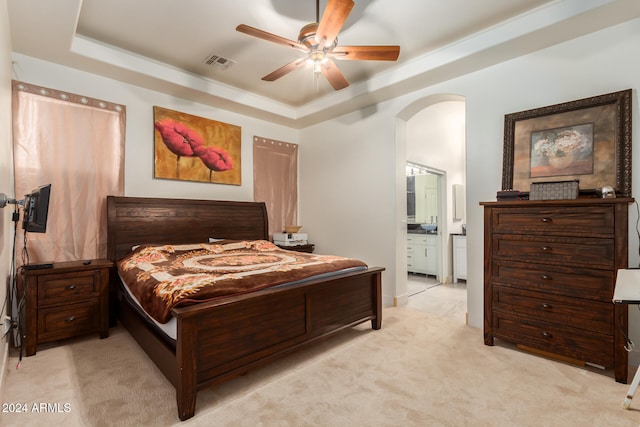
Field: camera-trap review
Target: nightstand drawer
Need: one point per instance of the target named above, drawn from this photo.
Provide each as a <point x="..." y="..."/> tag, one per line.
<point x="67" y="321"/>
<point x="68" y="288"/>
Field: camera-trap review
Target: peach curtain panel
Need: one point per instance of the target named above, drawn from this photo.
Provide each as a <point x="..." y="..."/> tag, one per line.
<point x="275" y="181"/>
<point x="76" y="144"/>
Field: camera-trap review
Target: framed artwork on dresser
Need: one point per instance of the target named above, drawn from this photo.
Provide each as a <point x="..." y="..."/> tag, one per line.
<point x="588" y="140"/>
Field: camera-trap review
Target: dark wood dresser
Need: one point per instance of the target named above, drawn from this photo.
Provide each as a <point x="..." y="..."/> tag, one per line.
<point x="549" y="275"/>
<point x="66" y="300"/>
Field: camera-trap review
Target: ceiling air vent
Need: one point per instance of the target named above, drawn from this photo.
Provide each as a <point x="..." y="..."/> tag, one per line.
<point x="218" y="61"/>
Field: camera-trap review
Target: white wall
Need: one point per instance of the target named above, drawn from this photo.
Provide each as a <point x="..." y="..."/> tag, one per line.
<point x="349" y="166"/>
<point x="6" y="181"/>
<point x="139" y="154"/>
<point x="435" y="138"/>
<point x="347" y="189"/>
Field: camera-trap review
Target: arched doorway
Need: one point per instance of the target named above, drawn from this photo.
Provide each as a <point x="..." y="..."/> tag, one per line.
<point x="431" y="132"/>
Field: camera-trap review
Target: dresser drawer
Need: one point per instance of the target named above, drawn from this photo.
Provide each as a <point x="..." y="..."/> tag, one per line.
<point x="558" y="339"/>
<point x="573" y="282"/>
<point x="67" y="321"/>
<point x="577" y="313"/>
<point x="68" y="288"/>
<point x="575" y="220"/>
<point x="577" y="251"/>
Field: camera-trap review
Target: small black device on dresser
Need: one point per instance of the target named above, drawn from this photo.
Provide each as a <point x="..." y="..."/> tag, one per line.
<point x="65" y="300"/>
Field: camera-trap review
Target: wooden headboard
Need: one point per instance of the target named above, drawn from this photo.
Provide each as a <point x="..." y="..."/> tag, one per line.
<point x="139" y="220"/>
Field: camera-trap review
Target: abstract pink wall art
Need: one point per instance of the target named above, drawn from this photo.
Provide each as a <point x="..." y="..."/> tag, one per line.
<point x="192" y="148"/>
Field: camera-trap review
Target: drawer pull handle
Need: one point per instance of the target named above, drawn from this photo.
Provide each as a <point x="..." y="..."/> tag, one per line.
<point x="546" y="334"/>
<point x="546" y="249"/>
<point x="70" y="319"/>
<point x="547" y="220"/>
<point x="71" y="287"/>
<point x="545" y="306"/>
<point x="545" y="277"/>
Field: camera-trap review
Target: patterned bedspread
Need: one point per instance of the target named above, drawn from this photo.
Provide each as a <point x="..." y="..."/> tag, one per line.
<point x="168" y="276"/>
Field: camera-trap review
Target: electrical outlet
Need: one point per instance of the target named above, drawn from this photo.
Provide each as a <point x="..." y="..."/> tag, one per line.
<point x="6" y="324"/>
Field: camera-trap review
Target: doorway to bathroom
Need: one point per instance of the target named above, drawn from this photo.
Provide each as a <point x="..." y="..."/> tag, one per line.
<point x="424" y="234"/>
<point x="432" y="136"/>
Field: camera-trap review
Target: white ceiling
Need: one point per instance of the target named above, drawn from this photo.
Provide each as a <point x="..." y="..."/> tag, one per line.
<point x="162" y="45"/>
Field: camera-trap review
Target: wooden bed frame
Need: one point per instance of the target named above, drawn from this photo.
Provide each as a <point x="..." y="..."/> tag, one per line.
<point x="221" y="339"/>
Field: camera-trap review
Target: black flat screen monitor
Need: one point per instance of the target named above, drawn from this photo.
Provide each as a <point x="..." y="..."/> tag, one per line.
<point x="36" y="210"/>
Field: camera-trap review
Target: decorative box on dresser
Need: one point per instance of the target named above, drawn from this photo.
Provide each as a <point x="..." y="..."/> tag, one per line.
<point x="64" y="301"/>
<point x="549" y="275"/>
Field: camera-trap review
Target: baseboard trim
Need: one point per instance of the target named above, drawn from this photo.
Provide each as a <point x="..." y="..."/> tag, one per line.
<point x="401" y="300"/>
<point x="388" y="301"/>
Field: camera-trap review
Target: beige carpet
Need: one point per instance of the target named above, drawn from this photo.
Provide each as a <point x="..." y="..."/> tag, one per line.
<point x="418" y="370"/>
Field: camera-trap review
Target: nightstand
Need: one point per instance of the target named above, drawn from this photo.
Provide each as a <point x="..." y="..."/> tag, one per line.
<point x="69" y="299"/>
<point x="299" y="248"/>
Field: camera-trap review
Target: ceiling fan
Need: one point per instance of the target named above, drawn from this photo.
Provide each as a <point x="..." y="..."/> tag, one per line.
<point x="319" y="42"/>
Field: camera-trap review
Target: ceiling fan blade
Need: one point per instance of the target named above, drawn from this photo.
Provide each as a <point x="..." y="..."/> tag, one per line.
<point x="366" y="53"/>
<point x="334" y="76"/>
<point x="332" y="21"/>
<point x="271" y="37"/>
<point x="284" y="70"/>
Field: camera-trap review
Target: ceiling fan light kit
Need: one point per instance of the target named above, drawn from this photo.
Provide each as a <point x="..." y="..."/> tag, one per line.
<point x="319" y="42"/>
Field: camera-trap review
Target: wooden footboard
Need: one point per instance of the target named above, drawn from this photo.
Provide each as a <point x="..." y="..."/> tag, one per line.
<point x="219" y="340"/>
